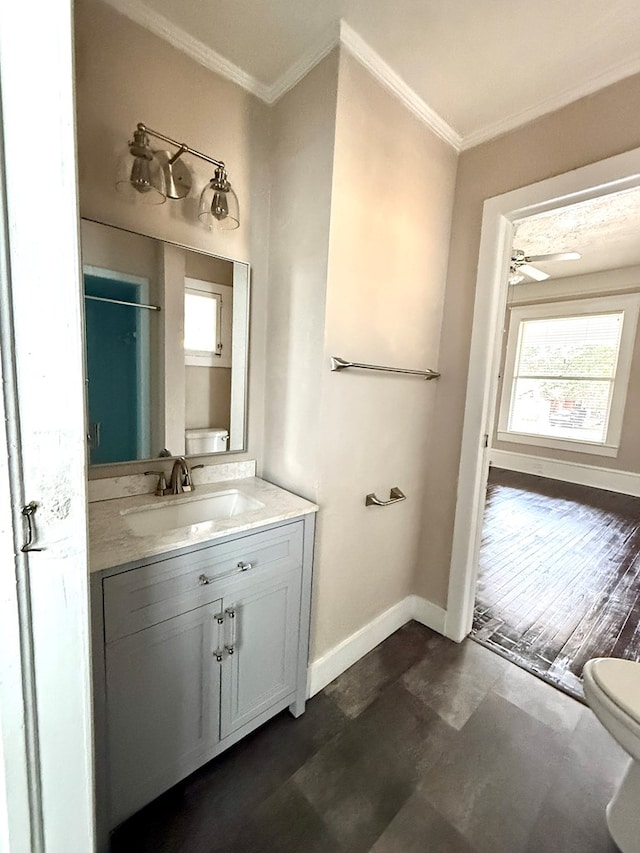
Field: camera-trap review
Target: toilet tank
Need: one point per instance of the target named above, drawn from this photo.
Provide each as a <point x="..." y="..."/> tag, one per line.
<point x="210" y="440"/>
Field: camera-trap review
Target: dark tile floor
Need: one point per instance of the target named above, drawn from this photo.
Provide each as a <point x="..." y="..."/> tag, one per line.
<point x="423" y="745"/>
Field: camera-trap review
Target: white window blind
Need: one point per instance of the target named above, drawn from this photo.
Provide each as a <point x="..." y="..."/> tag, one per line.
<point x="564" y="375"/>
<point x="201" y="333"/>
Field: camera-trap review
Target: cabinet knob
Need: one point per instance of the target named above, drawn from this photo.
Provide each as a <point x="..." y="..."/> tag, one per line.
<point x="244" y="567"/>
<point x="218" y="655"/>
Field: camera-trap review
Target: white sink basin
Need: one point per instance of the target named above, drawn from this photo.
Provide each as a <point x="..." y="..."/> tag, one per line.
<point x="145" y="521"/>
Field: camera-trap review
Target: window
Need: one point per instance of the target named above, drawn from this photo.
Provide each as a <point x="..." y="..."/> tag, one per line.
<point x="566" y="373"/>
<point x="203" y="324"/>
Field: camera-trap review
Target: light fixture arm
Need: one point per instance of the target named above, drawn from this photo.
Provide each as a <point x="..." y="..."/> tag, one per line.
<point x="182" y="146"/>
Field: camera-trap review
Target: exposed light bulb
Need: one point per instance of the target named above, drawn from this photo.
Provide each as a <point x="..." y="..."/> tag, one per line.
<point x="219" y="206"/>
<point x="219" y="203"/>
<point x="141" y="174"/>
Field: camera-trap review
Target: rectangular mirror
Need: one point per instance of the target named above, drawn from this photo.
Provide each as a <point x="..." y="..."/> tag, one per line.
<point x="167" y="333"/>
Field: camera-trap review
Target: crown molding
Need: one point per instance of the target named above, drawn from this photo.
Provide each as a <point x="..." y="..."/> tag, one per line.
<point x="392" y="81"/>
<point x="162" y="27"/>
<point x="303" y="66"/>
<point x="140" y="13"/>
<point x="165" y="29"/>
<point x="548" y="105"/>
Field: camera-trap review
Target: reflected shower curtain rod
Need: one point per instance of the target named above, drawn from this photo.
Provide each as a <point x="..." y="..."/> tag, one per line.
<point x="123" y="302"/>
<point x="341" y="364"/>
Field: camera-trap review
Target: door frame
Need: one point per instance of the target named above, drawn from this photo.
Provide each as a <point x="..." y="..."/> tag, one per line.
<point x="499" y="215"/>
<point x="46" y="750"/>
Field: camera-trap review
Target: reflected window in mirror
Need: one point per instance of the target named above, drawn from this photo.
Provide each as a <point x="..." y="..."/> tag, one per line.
<point x="202" y="321"/>
<point x="208" y="321"/>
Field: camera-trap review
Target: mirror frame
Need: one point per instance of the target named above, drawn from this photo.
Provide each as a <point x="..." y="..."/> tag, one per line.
<point x="242" y="277"/>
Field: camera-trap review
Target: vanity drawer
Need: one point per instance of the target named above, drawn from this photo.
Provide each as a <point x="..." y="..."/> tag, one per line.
<point x="142" y="597"/>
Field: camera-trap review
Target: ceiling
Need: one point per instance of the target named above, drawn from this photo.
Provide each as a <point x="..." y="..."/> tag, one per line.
<point x="482" y="66"/>
<point x="604" y="230"/>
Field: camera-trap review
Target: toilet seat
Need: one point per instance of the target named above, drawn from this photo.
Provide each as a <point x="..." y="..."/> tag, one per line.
<point x="619" y="681"/>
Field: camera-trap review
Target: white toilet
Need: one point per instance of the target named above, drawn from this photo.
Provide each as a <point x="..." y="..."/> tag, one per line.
<point x="209" y="440"/>
<point x="612" y="689"/>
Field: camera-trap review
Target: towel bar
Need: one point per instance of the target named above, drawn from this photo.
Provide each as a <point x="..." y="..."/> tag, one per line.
<point x="341" y="364"/>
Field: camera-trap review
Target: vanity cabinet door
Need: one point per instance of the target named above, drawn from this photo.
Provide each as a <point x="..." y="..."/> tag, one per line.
<point x="163" y="700"/>
<point x="262" y="624"/>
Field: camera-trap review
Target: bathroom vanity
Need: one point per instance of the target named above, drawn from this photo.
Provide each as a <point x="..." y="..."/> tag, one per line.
<point x="200" y="599"/>
<point x="200" y="631"/>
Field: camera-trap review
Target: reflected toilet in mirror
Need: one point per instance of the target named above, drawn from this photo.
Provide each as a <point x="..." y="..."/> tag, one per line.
<point x="166" y="347"/>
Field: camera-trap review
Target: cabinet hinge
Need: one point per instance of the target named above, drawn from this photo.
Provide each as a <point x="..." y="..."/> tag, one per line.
<point x="486" y="439"/>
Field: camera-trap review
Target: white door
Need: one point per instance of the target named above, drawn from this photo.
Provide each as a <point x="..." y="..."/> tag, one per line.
<point x="46" y="791"/>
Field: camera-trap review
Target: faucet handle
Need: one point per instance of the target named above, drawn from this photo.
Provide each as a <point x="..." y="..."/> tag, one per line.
<point x="161" y="488"/>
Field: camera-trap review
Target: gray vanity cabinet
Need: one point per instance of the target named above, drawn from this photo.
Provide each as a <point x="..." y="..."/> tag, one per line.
<point x="263" y="624"/>
<point x="163" y="706"/>
<point x="191" y="652"/>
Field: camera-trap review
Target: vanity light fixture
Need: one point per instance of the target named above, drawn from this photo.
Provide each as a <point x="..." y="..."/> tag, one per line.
<point x="219" y="203"/>
<point x="151" y="177"/>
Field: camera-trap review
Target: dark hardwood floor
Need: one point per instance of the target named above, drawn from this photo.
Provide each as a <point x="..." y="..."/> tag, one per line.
<point x="424" y="746"/>
<point x="559" y="576"/>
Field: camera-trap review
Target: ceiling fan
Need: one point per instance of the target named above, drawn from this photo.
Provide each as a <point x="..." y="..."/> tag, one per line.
<point x="521" y="265"/>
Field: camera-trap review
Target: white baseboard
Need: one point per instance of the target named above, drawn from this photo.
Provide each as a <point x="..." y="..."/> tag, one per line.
<point x="338" y="659"/>
<point x="624" y="482"/>
<point x="428" y="613"/>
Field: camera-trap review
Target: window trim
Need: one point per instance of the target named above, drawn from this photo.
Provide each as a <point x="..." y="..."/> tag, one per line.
<point x="205" y="358"/>
<point x="629" y="305"/>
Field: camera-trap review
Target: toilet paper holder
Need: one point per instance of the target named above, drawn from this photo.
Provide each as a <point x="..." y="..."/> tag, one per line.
<point x="395" y="496"/>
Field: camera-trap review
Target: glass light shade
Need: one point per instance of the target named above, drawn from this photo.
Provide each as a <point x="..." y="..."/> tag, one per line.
<point x="140" y="175"/>
<point x="219" y="206"/>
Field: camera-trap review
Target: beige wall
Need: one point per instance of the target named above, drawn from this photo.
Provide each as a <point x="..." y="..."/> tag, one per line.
<point x="208" y="269"/>
<point x="207" y="397"/>
<point x="588" y="130"/>
<point x="393" y="188"/>
<point x="370" y="289"/>
<point x="124" y="75"/>
<point x="302" y="149"/>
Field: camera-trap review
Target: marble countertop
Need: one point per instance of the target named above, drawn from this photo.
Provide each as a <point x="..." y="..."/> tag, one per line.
<point x="111" y="542"/>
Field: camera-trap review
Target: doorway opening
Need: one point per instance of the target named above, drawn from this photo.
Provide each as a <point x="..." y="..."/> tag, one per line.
<point x="555" y="442"/>
<point x="559" y="561"/>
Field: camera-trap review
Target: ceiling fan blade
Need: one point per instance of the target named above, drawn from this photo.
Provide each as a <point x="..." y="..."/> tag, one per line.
<point x="558" y="256"/>
<point x="532" y="272"/>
